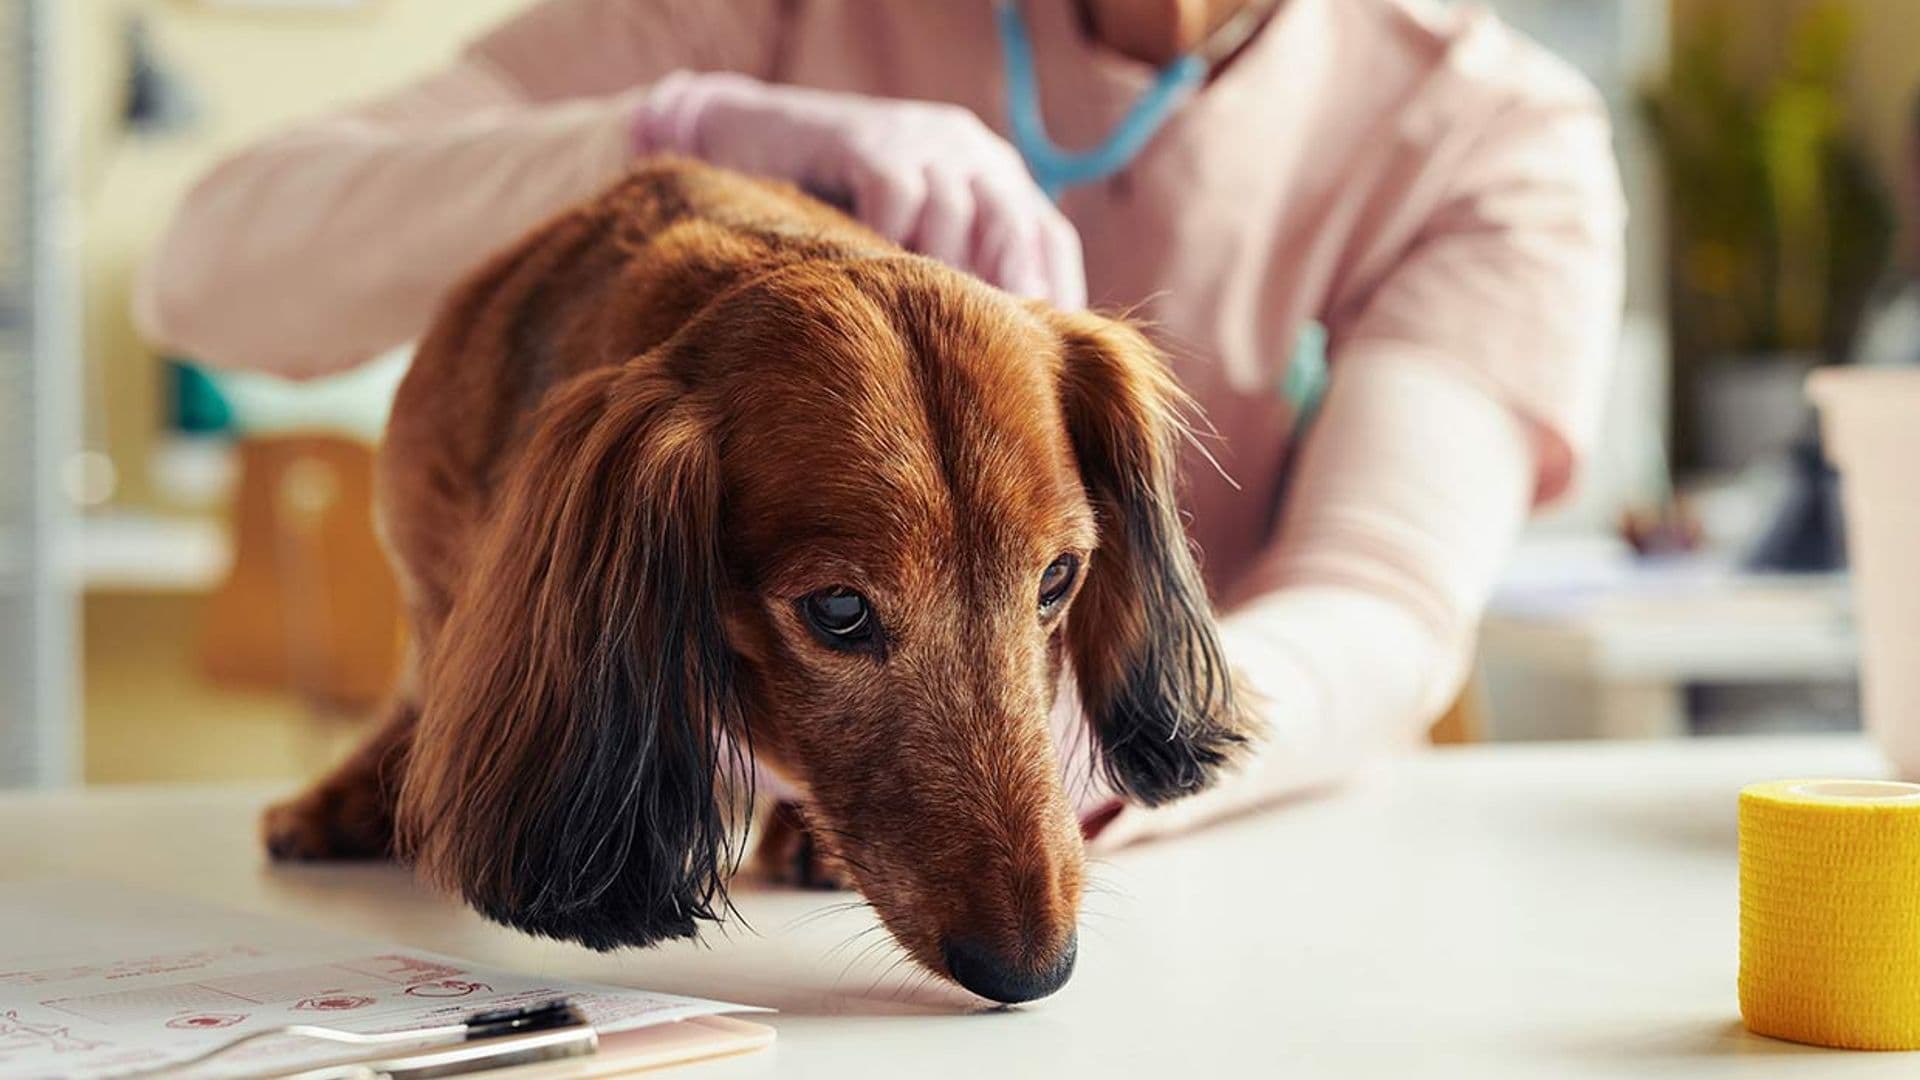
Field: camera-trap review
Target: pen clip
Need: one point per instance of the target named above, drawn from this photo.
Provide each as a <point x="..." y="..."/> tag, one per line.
<point x="572" y="1039"/>
<point x="495" y="1052"/>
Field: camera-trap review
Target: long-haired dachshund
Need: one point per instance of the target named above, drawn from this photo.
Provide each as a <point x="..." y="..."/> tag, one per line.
<point x="704" y="470"/>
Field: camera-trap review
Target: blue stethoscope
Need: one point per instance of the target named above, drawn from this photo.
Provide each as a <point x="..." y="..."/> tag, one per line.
<point x="1056" y="169"/>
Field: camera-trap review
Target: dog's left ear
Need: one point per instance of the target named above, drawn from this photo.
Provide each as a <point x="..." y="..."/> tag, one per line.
<point x="1141" y="635"/>
<point x="566" y="773"/>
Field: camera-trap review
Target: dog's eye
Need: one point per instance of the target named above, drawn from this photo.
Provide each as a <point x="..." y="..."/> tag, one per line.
<point x="841" y="616"/>
<point x="1056" y="580"/>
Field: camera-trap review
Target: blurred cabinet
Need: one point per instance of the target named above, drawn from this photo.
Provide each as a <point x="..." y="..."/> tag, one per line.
<point x="1614" y="648"/>
<point x="39" y="727"/>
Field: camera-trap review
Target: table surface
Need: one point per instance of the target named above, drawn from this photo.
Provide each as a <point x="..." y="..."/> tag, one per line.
<point x="1563" y="910"/>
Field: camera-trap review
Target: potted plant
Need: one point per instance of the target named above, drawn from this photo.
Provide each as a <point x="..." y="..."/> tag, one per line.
<point x="1778" y="229"/>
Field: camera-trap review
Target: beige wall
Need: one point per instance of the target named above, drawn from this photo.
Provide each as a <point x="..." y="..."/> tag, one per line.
<point x="250" y="72"/>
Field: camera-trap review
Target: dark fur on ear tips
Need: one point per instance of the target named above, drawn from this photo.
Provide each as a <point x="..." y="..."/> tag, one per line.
<point x="1141" y="635"/>
<point x="1173" y="723"/>
<point x="568" y="774"/>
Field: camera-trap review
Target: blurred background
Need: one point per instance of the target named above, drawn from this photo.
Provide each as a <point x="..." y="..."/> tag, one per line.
<point x="190" y="588"/>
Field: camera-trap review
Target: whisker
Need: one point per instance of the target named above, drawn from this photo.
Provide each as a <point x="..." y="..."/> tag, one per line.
<point x="890" y="969"/>
<point x="850" y="941"/>
<point x="927" y="978"/>
<point x="836" y="908"/>
<point x="910" y="985"/>
<point x="1102" y="884"/>
<point x="860" y="958"/>
<point x="851" y="838"/>
<point x="855" y="863"/>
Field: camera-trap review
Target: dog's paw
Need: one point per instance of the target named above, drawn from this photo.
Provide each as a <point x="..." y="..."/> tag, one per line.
<point x="322" y="825"/>
<point x="788" y="853"/>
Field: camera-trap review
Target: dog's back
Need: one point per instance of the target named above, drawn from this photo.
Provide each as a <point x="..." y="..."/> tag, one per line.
<point x="598" y="285"/>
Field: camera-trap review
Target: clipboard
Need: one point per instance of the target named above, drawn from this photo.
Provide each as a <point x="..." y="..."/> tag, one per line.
<point x="699" y="1038"/>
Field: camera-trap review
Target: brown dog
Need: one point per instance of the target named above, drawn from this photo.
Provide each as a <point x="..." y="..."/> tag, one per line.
<point x="705" y="470"/>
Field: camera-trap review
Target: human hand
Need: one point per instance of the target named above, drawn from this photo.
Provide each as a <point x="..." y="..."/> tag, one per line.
<point x="930" y="177"/>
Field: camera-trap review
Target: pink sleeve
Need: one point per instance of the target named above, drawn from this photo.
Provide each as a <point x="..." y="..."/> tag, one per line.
<point x="1515" y="280"/>
<point x="1461" y="396"/>
<point x="331" y="242"/>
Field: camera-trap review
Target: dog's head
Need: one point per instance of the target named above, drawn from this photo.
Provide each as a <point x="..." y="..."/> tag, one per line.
<point x="857" y="517"/>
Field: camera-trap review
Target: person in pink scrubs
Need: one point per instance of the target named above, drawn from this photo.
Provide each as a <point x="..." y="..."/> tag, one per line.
<point x="1409" y="192"/>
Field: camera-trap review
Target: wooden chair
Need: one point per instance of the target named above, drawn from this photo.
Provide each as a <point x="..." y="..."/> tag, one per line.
<point x="310" y="606"/>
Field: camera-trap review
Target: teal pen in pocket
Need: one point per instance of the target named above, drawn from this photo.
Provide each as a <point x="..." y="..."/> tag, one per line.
<point x="1305" y="381"/>
<point x="1304" y="385"/>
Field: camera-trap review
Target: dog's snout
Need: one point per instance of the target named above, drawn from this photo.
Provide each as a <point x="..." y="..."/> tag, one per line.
<point x="997" y="978"/>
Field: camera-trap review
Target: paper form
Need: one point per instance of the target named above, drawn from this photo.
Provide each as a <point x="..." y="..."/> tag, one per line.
<point x="98" y="980"/>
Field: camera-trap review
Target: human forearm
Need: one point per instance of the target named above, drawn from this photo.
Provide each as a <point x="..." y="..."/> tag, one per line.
<point x="323" y="246"/>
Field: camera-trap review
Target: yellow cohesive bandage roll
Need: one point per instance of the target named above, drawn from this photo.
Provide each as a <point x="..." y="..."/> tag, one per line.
<point x="1830" y="912"/>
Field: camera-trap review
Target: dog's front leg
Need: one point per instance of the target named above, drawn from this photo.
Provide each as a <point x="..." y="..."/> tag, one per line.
<point x="791" y="853"/>
<point x="348" y="814"/>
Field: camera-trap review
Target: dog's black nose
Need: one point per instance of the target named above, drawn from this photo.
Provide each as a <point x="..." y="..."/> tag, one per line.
<point x="985" y="973"/>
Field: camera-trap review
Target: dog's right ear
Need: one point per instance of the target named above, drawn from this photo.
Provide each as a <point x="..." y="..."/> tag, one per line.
<point x="564" y="777"/>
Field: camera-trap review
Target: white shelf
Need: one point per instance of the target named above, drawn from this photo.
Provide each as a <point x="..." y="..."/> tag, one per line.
<point x="129" y="552"/>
